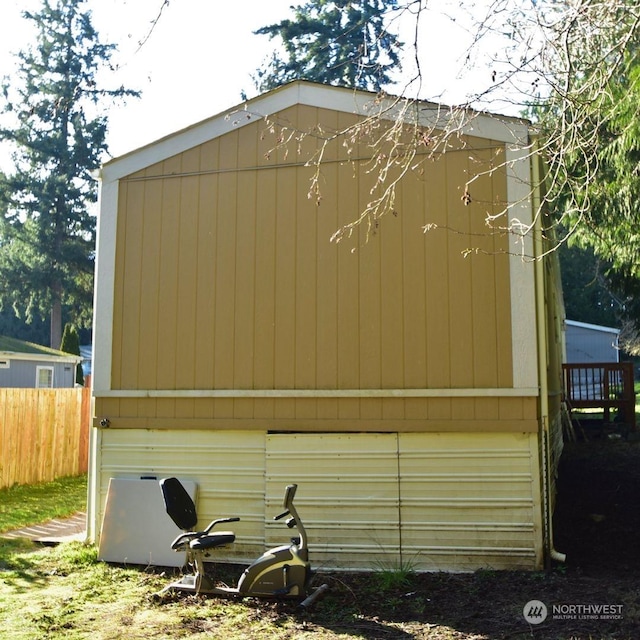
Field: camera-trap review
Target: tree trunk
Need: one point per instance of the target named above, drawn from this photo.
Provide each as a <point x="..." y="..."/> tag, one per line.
<point x="55" y="336"/>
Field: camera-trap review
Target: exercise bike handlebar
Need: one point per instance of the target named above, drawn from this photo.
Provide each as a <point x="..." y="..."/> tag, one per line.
<point x="290" y="510"/>
<point x="220" y="521"/>
<point x="287" y="502"/>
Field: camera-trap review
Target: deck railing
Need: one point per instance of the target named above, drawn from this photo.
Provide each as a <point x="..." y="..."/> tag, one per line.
<point x="606" y="385"/>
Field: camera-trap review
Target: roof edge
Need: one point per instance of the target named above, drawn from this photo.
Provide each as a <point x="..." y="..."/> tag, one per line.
<point x="42" y="357"/>
<point x="594" y="327"/>
<point x="24" y="350"/>
<point x="481" y="124"/>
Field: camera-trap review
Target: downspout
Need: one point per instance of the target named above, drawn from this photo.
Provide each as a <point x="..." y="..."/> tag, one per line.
<point x="541" y="324"/>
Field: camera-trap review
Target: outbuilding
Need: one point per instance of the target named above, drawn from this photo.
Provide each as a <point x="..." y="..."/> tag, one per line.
<point x="591" y="343"/>
<point x="407" y="377"/>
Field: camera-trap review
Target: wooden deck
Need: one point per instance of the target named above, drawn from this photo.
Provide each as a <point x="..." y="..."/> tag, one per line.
<point x="607" y="386"/>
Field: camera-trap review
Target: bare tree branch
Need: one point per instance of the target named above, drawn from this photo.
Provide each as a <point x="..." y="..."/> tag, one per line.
<point x="154" y="24"/>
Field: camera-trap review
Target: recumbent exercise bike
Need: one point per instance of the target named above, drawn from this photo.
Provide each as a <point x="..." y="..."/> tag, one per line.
<point x="280" y="572"/>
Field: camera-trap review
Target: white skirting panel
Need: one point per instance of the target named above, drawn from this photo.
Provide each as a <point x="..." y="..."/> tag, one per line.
<point x="227" y="467"/>
<point x="470" y="501"/>
<point x="347" y="494"/>
<point x="433" y="502"/>
<point x="429" y="501"/>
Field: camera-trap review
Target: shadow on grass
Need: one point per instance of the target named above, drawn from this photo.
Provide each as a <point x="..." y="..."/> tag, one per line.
<point x="19" y="568"/>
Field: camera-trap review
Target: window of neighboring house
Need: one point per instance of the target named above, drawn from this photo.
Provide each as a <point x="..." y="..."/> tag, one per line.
<point x="5" y="364"/>
<point x="44" y="377"/>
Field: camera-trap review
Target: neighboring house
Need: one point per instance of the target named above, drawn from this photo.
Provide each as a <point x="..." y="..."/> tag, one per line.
<point x="396" y="381"/>
<point x="24" y="364"/>
<point x="591" y="343"/>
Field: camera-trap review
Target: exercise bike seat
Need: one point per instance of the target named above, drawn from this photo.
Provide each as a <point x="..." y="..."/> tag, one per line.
<point x="201" y="540"/>
<point x="212" y="540"/>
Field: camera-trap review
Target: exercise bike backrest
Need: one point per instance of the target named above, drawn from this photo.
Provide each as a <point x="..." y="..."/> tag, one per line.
<point x="178" y="504"/>
<point x="182" y="510"/>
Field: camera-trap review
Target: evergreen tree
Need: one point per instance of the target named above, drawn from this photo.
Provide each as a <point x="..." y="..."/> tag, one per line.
<point x="589" y="295"/>
<point x="602" y="198"/>
<point x="71" y="344"/>
<point x="53" y="119"/>
<point x="598" y="195"/>
<point x="11" y="325"/>
<point x="338" y="42"/>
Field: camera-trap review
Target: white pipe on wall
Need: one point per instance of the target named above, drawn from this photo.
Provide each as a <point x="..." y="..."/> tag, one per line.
<point x="542" y="352"/>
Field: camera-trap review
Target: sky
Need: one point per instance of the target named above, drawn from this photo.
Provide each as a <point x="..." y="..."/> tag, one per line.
<point x="198" y="59"/>
<point x="195" y="63"/>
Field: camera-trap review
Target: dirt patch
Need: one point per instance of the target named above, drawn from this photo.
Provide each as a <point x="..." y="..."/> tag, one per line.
<point x="598" y="513"/>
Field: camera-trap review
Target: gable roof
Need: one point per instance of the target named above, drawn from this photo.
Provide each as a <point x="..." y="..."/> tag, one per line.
<point x="353" y="101"/>
<point x="22" y="350"/>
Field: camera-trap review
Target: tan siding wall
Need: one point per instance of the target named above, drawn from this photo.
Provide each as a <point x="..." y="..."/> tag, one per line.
<point x="324" y="414"/>
<point x="433" y="501"/>
<point x="226" y="279"/>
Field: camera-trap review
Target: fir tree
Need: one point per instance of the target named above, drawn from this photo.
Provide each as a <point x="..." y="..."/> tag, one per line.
<point x="71" y="344"/>
<point x="53" y="119"/>
<point x="338" y="42"/>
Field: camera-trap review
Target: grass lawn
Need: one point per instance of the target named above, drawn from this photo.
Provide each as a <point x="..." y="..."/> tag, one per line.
<point x="24" y="505"/>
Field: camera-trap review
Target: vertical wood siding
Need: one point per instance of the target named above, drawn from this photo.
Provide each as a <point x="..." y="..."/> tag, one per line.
<point x="226" y="279"/>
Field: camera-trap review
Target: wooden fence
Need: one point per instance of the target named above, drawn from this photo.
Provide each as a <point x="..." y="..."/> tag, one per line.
<point x="44" y="434"/>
